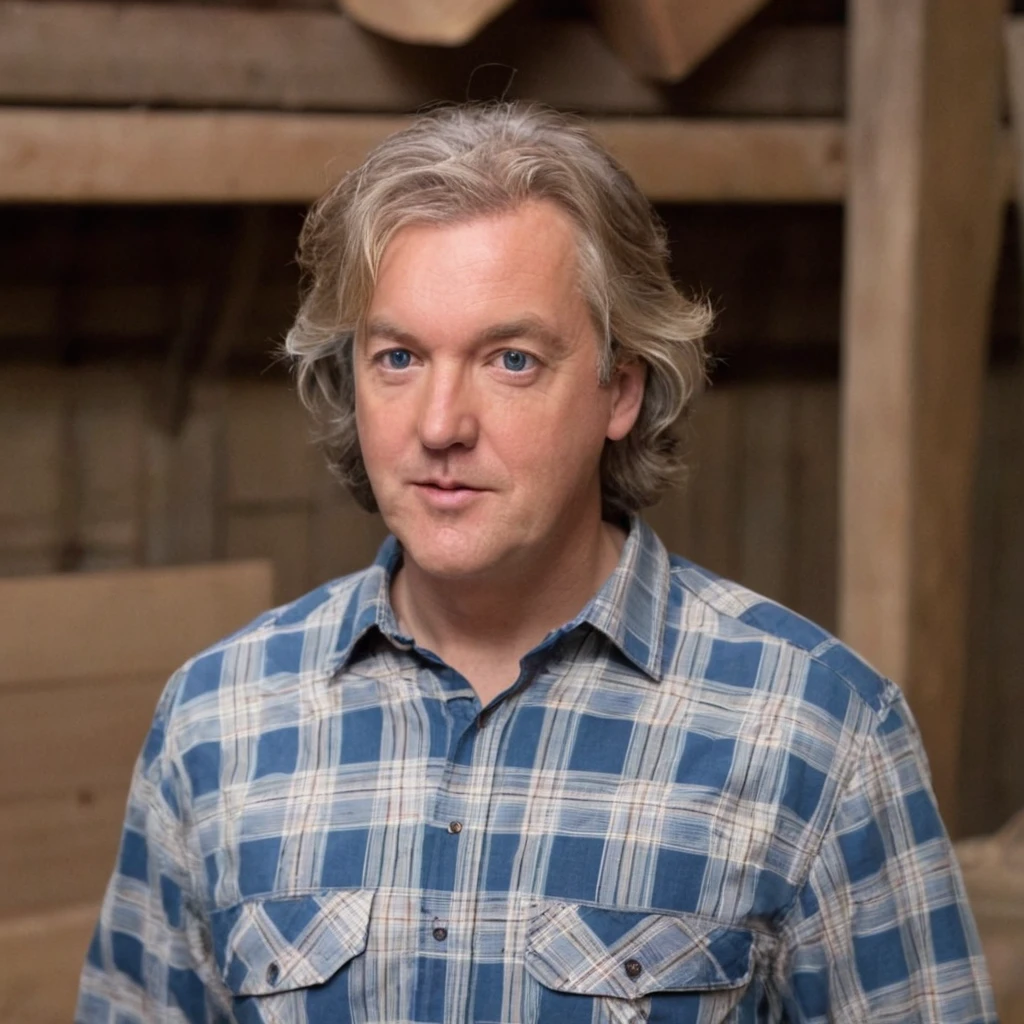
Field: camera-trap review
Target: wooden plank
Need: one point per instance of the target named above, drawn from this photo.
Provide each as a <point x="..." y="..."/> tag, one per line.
<point x="182" y="55"/>
<point x="781" y="71"/>
<point x="922" y="239"/>
<point x="280" y="534"/>
<point x="58" y="851"/>
<point x="41" y="956"/>
<point x="666" y="39"/>
<point x="435" y="22"/>
<point x="138" y="621"/>
<point x="731" y="161"/>
<point x="716" y="482"/>
<point x="91" y="728"/>
<point x="30" y="436"/>
<point x="109" y="420"/>
<point x="991" y="776"/>
<point x="163" y="156"/>
<point x="767" y="501"/>
<point x="184" y="483"/>
<point x="85" y="657"/>
<point x="342" y="537"/>
<point x="269" y="452"/>
<point x="815" y="507"/>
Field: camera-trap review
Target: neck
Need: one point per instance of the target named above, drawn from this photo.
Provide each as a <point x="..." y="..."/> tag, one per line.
<point x="484" y="626"/>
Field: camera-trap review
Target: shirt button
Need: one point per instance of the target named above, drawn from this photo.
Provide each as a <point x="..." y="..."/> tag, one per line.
<point x="440" y="934"/>
<point x="455" y="827"/>
<point x="633" y="968"/>
<point x="273" y="973"/>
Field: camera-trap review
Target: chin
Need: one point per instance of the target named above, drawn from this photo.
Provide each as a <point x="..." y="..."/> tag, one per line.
<point x="455" y="551"/>
<point x="447" y="558"/>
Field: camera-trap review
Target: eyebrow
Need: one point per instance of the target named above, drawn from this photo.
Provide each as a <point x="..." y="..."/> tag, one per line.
<point x="523" y="327"/>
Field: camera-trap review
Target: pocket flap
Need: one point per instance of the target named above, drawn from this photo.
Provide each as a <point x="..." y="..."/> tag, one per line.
<point x="276" y="944"/>
<point x="601" y="951"/>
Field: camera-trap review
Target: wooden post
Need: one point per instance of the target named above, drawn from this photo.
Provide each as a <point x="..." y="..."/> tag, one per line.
<point x="923" y="220"/>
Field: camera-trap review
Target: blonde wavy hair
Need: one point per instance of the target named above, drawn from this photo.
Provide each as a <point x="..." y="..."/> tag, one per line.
<point x="457" y="163"/>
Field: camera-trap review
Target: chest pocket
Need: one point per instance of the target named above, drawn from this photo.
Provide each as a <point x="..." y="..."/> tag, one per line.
<point x="273" y="950"/>
<point x="609" y="965"/>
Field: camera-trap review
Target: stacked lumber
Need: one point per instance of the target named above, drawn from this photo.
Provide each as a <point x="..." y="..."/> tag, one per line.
<point x="83" y="659"/>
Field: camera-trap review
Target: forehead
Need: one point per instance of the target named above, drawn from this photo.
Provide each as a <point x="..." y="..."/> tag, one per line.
<point x="525" y="259"/>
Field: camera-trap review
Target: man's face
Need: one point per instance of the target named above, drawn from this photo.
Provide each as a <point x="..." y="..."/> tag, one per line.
<point x="478" y="404"/>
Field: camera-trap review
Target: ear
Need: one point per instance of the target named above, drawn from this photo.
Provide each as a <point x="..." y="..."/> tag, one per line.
<point x="627" y="386"/>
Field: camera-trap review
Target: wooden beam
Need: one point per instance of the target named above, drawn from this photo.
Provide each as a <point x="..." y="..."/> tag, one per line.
<point x="99" y="156"/>
<point x="923" y="223"/>
<point x="187" y="56"/>
<point x="436" y="22"/>
<point x="667" y="39"/>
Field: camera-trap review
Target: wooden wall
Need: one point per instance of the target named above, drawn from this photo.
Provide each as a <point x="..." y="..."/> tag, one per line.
<point x="106" y="321"/>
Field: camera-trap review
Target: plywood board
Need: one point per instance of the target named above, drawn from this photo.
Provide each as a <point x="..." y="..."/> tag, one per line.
<point x="41" y="956"/>
<point x="84" y="658"/>
<point x="110" y="624"/>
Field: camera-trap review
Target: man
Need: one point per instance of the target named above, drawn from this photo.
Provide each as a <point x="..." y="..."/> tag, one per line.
<point x="528" y="766"/>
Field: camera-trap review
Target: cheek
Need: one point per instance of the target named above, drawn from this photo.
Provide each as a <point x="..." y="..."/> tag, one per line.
<point x="547" y="440"/>
<point x="376" y="441"/>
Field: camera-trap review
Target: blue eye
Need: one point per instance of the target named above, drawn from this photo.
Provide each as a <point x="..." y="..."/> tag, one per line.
<point x="515" y="360"/>
<point x="398" y="359"/>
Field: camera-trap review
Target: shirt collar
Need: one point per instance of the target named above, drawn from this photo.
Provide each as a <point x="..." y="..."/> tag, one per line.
<point x="629" y="609"/>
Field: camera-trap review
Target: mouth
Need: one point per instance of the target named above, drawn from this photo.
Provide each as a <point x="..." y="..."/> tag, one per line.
<point x="447" y="494"/>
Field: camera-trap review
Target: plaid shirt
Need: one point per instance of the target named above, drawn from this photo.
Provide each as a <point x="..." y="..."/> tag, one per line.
<point x="692" y="806"/>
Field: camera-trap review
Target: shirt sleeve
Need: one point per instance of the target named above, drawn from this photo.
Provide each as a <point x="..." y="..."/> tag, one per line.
<point x="149" y="961"/>
<point x="881" y="930"/>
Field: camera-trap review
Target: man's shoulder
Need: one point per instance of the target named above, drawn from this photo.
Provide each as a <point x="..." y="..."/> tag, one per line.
<point x="281" y="643"/>
<point x="747" y="631"/>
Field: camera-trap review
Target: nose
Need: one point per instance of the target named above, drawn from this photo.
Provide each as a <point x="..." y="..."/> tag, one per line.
<point x="447" y="415"/>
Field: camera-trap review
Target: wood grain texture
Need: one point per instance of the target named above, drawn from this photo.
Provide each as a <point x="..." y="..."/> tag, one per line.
<point x="922" y="238"/>
<point x="163" y="156"/>
<point x="41" y="956"/>
<point x="666" y="39"/>
<point x="201" y="56"/>
<point x="92" y="625"/>
<point x="84" y="659"/>
<point x="435" y="22"/>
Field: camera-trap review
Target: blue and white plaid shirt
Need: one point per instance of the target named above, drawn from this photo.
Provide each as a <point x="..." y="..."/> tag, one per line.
<point x="692" y="806"/>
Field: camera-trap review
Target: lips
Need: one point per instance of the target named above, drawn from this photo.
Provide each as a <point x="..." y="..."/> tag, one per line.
<point x="447" y="485"/>
<point x="447" y="494"/>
